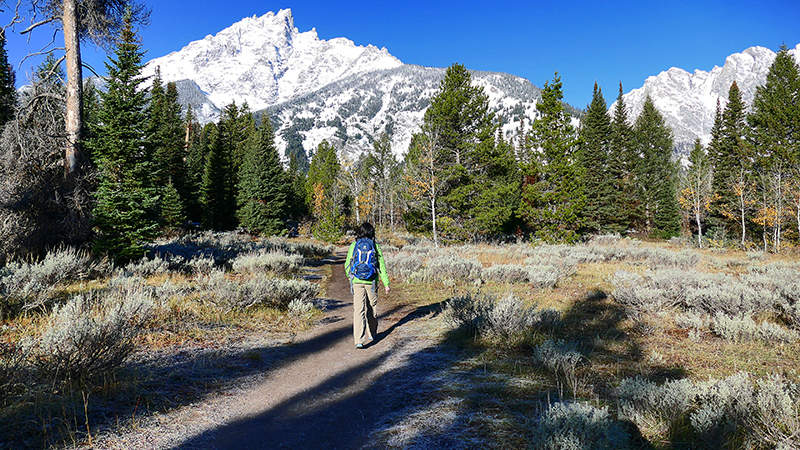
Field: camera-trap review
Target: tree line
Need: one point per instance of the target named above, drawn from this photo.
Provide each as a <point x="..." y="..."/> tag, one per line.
<point x="149" y="169"/>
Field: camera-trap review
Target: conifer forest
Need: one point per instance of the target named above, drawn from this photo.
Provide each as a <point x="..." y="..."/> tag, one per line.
<point x="128" y="227"/>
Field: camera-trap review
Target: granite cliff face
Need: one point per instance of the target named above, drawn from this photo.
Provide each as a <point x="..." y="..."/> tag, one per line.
<point x="688" y="101"/>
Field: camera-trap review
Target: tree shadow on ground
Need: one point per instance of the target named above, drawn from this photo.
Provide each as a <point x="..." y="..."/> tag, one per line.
<point x="343" y="411"/>
<point x="430" y="401"/>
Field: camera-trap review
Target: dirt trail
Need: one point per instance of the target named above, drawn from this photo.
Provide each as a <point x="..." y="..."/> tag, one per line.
<point x="322" y="393"/>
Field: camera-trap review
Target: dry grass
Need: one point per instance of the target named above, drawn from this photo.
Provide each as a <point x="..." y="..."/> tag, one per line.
<point x="189" y="348"/>
<point x="499" y="388"/>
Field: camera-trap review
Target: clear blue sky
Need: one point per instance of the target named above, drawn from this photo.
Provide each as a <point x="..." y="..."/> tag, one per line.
<point x="585" y="41"/>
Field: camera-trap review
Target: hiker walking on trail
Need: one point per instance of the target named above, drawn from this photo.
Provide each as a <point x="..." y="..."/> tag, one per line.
<point x="364" y="265"/>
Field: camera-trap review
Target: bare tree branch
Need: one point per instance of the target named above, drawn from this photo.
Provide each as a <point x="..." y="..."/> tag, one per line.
<point x="38" y="24"/>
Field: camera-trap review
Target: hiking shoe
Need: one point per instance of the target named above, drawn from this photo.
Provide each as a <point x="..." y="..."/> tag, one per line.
<point x="359" y="345"/>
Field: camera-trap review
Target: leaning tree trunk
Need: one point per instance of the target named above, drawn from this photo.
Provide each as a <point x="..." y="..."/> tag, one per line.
<point x="74" y="114"/>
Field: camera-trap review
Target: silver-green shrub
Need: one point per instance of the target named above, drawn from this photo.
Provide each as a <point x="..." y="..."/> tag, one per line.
<point x="659" y="407"/>
<point x="403" y="265"/>
<point x="450" y="267"/>
<point x="509" y="315"/>
<point x="278" y="292"/>
<point x="744" y="328"/>
<point x="541" y="276"/>
<point x="300" y="308"/>
<point x="29" y="285"/>
<point x="506" y="273"/>
<point x="483" y="314"/>
<point x="278" y="262"/>
<point x="735" y="411"/>
<point x="578" y="426"/>
<point x="776" y="419"/>
<point x="147" y="267"/>
<point x="468" y="312"/>
<point x="91" y="334"/>
<point x="562" y="359"/>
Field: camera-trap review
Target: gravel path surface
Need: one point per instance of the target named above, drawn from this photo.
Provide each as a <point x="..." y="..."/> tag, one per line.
<point x="320" y="393"/>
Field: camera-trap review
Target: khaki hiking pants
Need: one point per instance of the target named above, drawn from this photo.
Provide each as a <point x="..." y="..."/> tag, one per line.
<point x="365" y="320"/>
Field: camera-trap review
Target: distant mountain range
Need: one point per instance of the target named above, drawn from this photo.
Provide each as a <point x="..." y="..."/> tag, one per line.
<point x="315" y="89"/>
<point x="688" y="101"/>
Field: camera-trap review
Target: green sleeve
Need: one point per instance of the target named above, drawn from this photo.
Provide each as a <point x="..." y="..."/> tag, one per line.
<point x="347" y="260"/>
<point x="384" y="275"/>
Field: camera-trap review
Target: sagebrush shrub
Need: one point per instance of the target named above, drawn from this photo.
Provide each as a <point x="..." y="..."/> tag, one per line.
<point x="91" y="334"/>
<point x="403" y="265"/>
<point x="450" y="267"/>
<point x="578" y="426"/>
<point x="278" y="262"/>
<point x="29" y="285"/>
<point x="276" y="292"/>
<point x="485" y="315"/>
<point x="735" y="412"/>
<point x="562" y="359"/>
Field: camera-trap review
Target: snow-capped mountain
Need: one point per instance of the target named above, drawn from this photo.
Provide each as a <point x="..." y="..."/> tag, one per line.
<point x="265" y="60"/>
<point x="315" y="89"/>
<point x="353" y="111"/>
<point x="688" y="101"/>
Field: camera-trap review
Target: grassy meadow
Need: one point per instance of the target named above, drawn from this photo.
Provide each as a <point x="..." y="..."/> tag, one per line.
<point x="613" y="343"/>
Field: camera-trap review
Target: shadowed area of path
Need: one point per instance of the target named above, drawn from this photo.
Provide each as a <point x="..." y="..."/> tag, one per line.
<point x="327" y="394"/>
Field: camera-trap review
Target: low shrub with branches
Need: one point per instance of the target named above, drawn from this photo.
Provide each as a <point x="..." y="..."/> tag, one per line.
<point x="736" y="412"/>
<point x="485" y="315"/>
<point x="579" y="426"/>
<point x="91" y="334"/>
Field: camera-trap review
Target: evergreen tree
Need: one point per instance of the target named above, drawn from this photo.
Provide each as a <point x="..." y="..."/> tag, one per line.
<point x="126" y="209"/>
<point x="731" y="157"/>
<point x="296" y="192"/>
<point x="552" y="192"/>
<point x="262" y="184"/>
<point x="603" y="172"/>
<point x="624" y="156"/>
<point x="657" y="172"/>
<point x="172" y="211"/>
<point x="478" y="174"/>
<point x="775" y="117"/>
<point x="775" y="134"/>
<point x="218" y="194"/>
<point x="166" y="129"/>
<point x="8" y="93"/>
<point x="197" y="146"/>
<point x="324" y="194"/>
<point x="324" y="170"/>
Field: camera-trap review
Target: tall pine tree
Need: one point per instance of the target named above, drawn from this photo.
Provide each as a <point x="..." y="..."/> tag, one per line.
<point x="218" y="189"/>
<point x="657" y="173"/>
<point x="603" y="175"/>
<point x="775" y="134"/>
<point x="732" y="161"/>
<point x="552" y="192"/>
<point x="126" y="210"/>
<point x="478" y="176"/>
<point x="262" y="184"/>
<point x="624" y="156"/>
<point x="169" y="150"/>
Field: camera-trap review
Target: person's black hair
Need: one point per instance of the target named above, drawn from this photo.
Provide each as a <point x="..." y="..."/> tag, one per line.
<point x="366" y="230"/>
